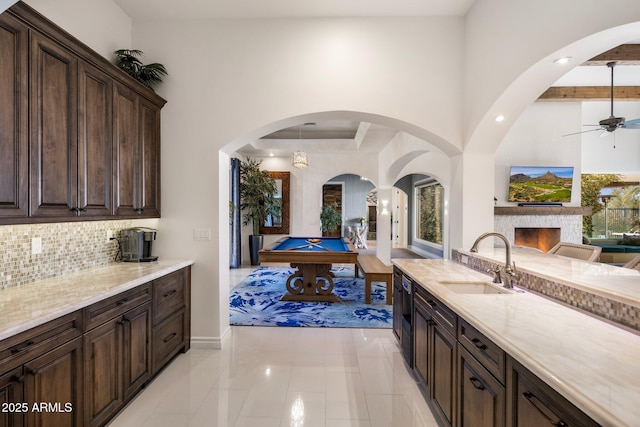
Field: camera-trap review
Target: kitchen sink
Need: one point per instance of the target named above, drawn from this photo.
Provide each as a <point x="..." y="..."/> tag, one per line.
<point x="475" y="287"/>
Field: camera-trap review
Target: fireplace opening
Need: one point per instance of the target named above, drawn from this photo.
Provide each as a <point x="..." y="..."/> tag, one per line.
<point x="540" y="238"/>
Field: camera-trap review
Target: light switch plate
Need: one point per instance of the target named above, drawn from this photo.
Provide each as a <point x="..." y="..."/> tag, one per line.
<point x="201" y="234"/>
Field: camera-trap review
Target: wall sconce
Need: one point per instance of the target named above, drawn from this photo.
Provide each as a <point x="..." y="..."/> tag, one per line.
<point x="384" y="207"/>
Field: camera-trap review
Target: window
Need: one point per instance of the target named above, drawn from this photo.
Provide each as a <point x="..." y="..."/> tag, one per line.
<point x="429" y="212"/>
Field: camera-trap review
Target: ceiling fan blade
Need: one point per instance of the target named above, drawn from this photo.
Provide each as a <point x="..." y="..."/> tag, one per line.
<point x="632" y="124"/>
<point x="585" y="131"/>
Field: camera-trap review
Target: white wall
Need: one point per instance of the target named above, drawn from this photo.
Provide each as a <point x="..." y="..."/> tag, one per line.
<point x="100" y="24"/>
<point x="535" y="139"/>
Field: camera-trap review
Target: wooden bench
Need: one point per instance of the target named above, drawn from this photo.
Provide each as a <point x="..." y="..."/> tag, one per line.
<point x="374" y="270"/>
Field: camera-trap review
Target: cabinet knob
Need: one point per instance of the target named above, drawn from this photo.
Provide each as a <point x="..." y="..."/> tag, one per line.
<point x="476" y="383"/>
<point x="479" y="344"/>
<point x="17" y="379"/>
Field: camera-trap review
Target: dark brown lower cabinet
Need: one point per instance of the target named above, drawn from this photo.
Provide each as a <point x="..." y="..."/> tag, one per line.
<point x="466" y="378"/>
<point x="532" y="403"/>
<point x="53" y="387"/>
<point x="443" y="377"/>
<point x="117" y="362"/>
<point x="481" y="399"/>
<point x="434" y="355"/>
<point x="11" y="391"/>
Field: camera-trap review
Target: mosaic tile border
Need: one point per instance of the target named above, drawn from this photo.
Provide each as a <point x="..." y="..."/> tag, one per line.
<point x="614" y="311"/>
<point x="66" y="248"/>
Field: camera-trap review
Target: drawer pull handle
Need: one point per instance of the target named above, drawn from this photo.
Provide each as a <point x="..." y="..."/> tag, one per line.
<point x="171" y="292"/>
<point x="432" y="303"/>
<point x="170" y="337"/>
<point x="16" y="350"/>
<point x="530" y="398"/>
<point x="33" y="372"/>
<point x="479" y="344"/>
<point x="122" y="301"/>
<point x="476" y="383"/>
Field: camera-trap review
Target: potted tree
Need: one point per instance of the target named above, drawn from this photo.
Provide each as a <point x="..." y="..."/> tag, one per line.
<point x="257" y="201"/>
<point x="330" y="219"/>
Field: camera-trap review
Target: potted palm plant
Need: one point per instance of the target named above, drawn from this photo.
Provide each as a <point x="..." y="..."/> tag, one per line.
<point x="257" y="201"/>
<point x="330" y="219"/>
<point x="149" y="74"/>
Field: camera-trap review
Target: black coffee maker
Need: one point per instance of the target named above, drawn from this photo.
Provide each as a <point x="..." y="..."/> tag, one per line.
<point x="136" y="244"/>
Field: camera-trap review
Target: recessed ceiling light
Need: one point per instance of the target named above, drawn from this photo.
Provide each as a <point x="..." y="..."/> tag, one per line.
<point x="499" y="118"/>
<point x="563" y="60"/>
<point x="270" y="154"/>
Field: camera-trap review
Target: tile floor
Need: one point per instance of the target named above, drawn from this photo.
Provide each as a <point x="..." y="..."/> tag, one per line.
<point x="302" y="377"/>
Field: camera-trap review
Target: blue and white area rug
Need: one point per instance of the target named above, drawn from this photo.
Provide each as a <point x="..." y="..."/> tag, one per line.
<point x="256" y="302"/>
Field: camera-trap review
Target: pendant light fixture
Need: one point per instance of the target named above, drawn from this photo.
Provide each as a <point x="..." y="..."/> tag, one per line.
<point x="300" y="159"/>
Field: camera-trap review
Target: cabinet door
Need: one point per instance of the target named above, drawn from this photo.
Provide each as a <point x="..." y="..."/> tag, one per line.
<point x="136" y="349"/>
<point x="53" y="123"/>
<point x="443" y="373"/>
<point x="11" y="395"/>
<point x="102" y="372"/>
<point x="95" y="147"/>
<point x="126" y="150"/>
<point x="481" y="400"/>
<point x="422" y="321"/>
<point x="53" y="387"/>
<point x="13" y="118"/>
<point x="532" y="403"/>
<point x="149" y="168"/>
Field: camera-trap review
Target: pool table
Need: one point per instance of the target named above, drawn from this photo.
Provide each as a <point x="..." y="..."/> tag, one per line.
<point x="312" y="257"/>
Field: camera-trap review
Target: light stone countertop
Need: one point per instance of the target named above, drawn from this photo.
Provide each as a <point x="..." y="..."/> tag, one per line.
<point x="24" y="307"/>
<point x="594" y="364"/>
<point x="616" y="283"/>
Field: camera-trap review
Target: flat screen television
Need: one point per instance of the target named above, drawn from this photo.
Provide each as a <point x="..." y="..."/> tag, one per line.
<point x="540" y="184"/>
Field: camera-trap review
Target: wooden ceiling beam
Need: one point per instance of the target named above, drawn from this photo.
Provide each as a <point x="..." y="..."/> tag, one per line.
<point x="625" y="54"/>
<point x="590" y="93"/>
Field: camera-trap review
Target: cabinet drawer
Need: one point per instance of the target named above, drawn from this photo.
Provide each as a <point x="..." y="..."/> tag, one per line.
<point x="482" y="348"/>
<point x="27" y="345"/>
<point x="100" y="312"/>
<point x="168" y="339"/>
<point x="440" y="312"/>
<point x="168" y="296"/>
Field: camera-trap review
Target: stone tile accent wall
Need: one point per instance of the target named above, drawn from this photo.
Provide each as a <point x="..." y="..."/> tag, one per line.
<point x="66" y="248"/>
<point x="614" y="311"/>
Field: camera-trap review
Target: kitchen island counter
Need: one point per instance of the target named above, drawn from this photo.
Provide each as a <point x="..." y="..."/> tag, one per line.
<point x="26" y="306"/>
<point x="594" y="364"/>
<point x="609" y="281"/>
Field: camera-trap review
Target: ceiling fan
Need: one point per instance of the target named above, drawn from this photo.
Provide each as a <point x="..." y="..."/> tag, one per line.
<point x="611" y="123"/>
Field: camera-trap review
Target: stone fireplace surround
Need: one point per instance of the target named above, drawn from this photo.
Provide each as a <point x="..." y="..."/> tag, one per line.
<point x="567" y="219"/>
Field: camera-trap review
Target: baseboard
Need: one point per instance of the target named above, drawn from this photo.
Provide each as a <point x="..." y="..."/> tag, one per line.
<point x="209" y="343"/>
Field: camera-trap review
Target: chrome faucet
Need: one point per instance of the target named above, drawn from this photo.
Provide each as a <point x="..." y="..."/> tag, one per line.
<point x="509" y="267"/>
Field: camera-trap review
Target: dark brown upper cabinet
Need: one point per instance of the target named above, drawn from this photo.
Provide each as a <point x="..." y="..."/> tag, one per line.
<point x="13" y="118"/>
<point x="279" y="224"/>
<point x="79" y="138"/>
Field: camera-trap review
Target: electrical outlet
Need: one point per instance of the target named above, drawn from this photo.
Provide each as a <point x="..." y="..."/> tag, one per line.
<point x="36" y="245"/>
<point x="109" y="235"/>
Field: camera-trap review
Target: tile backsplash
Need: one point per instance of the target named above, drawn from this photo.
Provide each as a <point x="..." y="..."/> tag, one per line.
<point x="66" y="248"/>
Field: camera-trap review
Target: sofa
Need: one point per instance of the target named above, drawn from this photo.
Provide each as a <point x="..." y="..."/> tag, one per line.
<point x="617" y="250"/>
